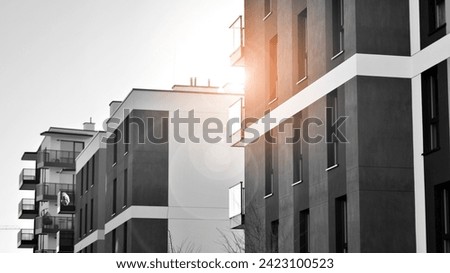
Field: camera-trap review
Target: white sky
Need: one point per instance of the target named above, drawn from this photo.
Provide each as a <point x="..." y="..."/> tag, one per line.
<point x="63" y="61"/>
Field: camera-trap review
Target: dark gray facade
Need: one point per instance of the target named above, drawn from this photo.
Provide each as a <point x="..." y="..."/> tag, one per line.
<point x="356" y="196"/>
<point x="90" y="205"/>
<point x="138" y="176"/>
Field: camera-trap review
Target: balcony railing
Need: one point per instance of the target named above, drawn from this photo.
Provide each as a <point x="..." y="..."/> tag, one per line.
<point x="66" y="202"/>
<point x="235" y="118"/>
<point x="27" y="179"/>
<point x="65" y="242"/>
<point x="53" y="224"/>
<point x="237" y="32"/>
<point x="236" y="197"/>
<point x="27" y="209"/>
<point x="26" y="238"/>
<point x="45" y="251"/>
<point x="49" y="191"/>
<point x="56" y="158"/>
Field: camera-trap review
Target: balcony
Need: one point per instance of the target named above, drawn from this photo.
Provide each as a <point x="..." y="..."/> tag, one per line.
<point x="65" y="242"/>
<point x="57" y="158"/>
<point x="53" y="224"/>
<point x="27" y="209"/>
<point x="49" y="191"/>
<point x="237" y="32"/>
<point x="236" y="197"/>
<point x="28" y="180"/>
<point x="66" y="202"/>
<point x="26" y="239"/>
<point x="45" y="251"/>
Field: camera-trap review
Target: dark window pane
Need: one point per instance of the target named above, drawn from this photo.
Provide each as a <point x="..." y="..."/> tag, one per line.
<point x="302" y="45"/>
<point x="304" y="231"/>
<point x="341" y="225"/>
<point x="273" y="69"/>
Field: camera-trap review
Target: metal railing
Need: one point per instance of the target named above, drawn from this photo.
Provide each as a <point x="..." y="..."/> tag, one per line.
<point x="27" y="174"/>
<point x="27" y="204"/>
<point x="25" y="235"/>
<point x="45" y="190"/>
<point x="237" y="32"/>
<point x="54" y="223"/>
<point x="45" y="251"/>
<point x="57" y="156"/>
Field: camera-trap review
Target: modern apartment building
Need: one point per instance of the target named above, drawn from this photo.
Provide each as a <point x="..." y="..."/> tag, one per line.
<point x="355" y="157"/>
<point x="53" y="182"/>
<point x="160" y="176"/>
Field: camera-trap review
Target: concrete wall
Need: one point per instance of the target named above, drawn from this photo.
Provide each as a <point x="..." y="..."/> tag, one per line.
<point x="374" y="169"/>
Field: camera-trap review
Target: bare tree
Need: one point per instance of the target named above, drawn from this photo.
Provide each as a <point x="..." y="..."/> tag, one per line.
<point x="232" y="242"/>
<point x="253" y="240"/>
<point x="186" y="246"/>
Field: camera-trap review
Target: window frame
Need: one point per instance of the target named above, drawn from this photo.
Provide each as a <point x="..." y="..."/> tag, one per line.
<point x="302" y="47"/>
<point x="268" y="5"/>
<point x="332" y="142"/>
<point x="297" y="151"/>
<point x="114" y="197"/>
<point x="273" y="70"/>
<point x="436" y="8"/>
<point x="337" y="28"/>
<point x="430" y="110"/>
<point x="341" y="220"/>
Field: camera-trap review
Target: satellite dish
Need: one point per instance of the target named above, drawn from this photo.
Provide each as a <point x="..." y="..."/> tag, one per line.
<point x="65" y="199"/>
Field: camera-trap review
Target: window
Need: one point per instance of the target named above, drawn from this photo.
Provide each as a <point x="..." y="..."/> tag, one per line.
<point x="125" y="237"/>
<point x="93" y="171"/>
<point x="304" y="231"/>
<point x="443" y="218"/>
<point x="332" y="141"/>
<point x="74" y="146"/>
<point x="341" y="225"/>
<point x="85" y="218"/>
<point x="446" y="219"/>
<point x="269" y="167"/>
<point x="127" y="134"/>
<point x="87" y="176"/>
<point x="115" y="147"/>
<point x="92" y="215"/>
<point x="267" y="8"/>
<point x="302" y="45"/>
<point x="91" y="248"/>
<point x="113" y="241"/>
<point x="338" y="26"/>
<point x="273" y="70"/>
<point x="114" y="196"/>
<point x="436" y="14"/>
<point x="81" y="182"/>
<point x="297" y="151"/>
<point x="125" y="187"/>
<point x="80" y="223"/>
<point x="430" y="97"/>
<point x="274" y="237"/>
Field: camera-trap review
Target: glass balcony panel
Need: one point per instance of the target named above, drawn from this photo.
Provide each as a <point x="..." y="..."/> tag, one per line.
<point x="27" y="179"/>
<point x="27" y="209"/>
<point x="57" y="158"/>
<point x="237" y="38"/>
<point x="49" y="191"/>
<point x="53" y="224"/>
<point x="236" y="205"/>
<point x="26" y="238"/>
